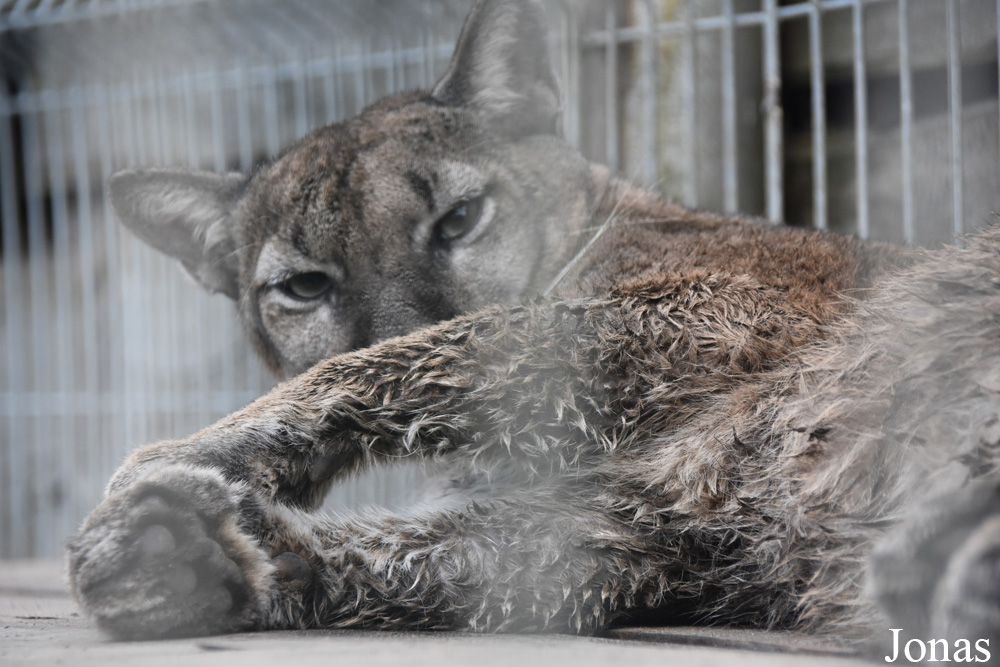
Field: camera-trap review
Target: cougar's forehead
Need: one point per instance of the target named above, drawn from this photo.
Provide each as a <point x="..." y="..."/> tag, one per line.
<point x="364" y="179"/>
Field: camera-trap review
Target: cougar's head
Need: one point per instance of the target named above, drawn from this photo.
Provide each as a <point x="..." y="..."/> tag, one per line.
<point x="425" y="206"/>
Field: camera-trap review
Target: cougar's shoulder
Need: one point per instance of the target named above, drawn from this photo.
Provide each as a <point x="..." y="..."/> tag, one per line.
<point x="641" y="235"/>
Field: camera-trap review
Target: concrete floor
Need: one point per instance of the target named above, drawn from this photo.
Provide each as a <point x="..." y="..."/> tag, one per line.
<point x="41" y="625"/>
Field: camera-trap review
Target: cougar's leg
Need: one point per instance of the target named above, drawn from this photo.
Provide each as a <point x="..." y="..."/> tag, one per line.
<point x="542" y="386"/>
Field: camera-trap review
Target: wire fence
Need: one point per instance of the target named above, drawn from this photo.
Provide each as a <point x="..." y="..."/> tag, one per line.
<point x="872" y="117"/>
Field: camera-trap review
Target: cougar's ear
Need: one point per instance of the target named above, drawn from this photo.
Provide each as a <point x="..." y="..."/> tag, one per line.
<point x="501" y="67"/>
<point x="186" y="215"/>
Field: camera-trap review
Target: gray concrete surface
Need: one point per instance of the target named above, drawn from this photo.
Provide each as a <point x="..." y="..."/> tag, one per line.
<point x="41" y="625"/>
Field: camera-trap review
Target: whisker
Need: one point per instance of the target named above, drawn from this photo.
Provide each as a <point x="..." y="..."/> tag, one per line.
<point x="586" y="248"/>
<point x="643" y="221"/>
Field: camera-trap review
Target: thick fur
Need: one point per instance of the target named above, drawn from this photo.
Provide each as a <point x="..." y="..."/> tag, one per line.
<point x="649" y="412"/>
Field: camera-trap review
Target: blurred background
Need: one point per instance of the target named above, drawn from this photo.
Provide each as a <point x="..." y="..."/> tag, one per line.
<point x="870" y="117"/>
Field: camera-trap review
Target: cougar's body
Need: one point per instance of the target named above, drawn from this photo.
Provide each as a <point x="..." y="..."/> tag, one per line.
<point x="664" y="414"/>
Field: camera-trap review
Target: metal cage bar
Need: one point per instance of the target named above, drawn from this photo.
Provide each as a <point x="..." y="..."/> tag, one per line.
<point x="906" y="120"/>
<point x="772" y="110"/>
<point x="729" y="126"/>
<point x="955" y="113"/>
<point x="15" y="456"/>
<point x="860" y="117"/>
<point x="611" y="91"/>
<point x="689" y="91"/>
<point x="818" y="101"/>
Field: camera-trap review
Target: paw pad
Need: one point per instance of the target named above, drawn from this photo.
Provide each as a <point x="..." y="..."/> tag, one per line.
<point x="156" y="540"/>
<point x="181" y="580"/>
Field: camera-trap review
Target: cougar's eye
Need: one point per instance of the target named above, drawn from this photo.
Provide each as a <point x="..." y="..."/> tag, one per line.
<point x="459" y="221"/>
<point x="307" y="286"/>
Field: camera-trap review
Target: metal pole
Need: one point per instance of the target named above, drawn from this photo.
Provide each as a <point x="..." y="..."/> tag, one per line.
<point x="203" y="410"/>
<point x="955" y="109"/>
<point x="38" y="468"/>
<point x="16" y="539"/>
<point x="689" y="93"/>
<point x="730" y="187"/>
<point x="66" y="449"/>
<point x="818" y="115"/>
<point x="861" y="117"/>
<point x="906" y="119"/>
<point x="774" y="114"/>
<point x="611" y="89"/>
<point x="651" y="94"/>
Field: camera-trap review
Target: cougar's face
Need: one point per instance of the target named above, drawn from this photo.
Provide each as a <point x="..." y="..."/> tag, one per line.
<point x="407" y="215"/>
<point x="425" y="206"/>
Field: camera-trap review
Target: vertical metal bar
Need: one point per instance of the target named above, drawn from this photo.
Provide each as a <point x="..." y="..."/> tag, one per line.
<point x="689" y="104"/>
<point x="144" y="355"/>
<point x="38" y="468"/>
<point x="88" y="282"/>
<point x="861" y="116"/>
<point x="651" y="94"/>
<point x="112" y="450"/>
<point x="906" y="119"/>
<point x="132" y="389"/>
<point x="818" y="115"/>
<point x="165" y="153"/>
<point x="150" y="278"/>
<point x="191" y="122"/>
<point x="65" y="450"/>
<point x="572" y="129"/>
<point x="340" y="102"/>
<point x="331" y="92"/>
<point x="611" y="88"/>
<point x="225" y="332"/>
<point x="123" y="134"/>
<point x="393" y="73"/>
<point x="774" y="114"/>
<point x="564" y="67"/>
<point x="368" y="65"/>
<point x="244" y="138"/>
<point x="424" y="65"/>
<point x="300" y="105"/>
<point x="158" y="288"/>
<point x="16" y="312"/>
<point x="313" y="75"/>
<point x="955" y="109"/>
<point x="430" y="58"/>
<point x="271" y="129"/>
<point x="215" y="111"/>
<point x="361" y="86"/>
<point x="730" y="187"/>
<point x="402" y="65"/>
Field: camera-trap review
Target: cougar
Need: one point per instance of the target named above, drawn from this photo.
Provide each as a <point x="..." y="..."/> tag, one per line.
<point x="644" y="412"/>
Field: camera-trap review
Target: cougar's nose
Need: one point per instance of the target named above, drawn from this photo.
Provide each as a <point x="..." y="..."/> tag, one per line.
<point x="390" y="311"/>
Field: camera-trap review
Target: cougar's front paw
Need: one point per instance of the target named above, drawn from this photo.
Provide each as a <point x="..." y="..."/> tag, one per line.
<point x="170" y="555"/>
